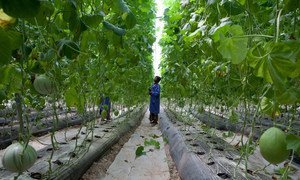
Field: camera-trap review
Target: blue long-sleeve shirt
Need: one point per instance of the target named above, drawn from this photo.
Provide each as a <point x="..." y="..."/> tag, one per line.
<point x="155" y="99"/>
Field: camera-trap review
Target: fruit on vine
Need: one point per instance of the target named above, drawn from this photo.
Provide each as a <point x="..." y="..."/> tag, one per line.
<point x="273" y="145"/>
<point x="43" y="85"/>
<point x="17" y="158"/>
<point x="116" y="112"/>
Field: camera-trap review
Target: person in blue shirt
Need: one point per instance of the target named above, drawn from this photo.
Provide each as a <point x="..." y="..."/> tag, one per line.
<point x="154" y="92"/>
<point x="105" y="105"/>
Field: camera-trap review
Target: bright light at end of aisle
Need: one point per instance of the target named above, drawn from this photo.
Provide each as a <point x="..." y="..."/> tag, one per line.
<point x="159" y="25"/>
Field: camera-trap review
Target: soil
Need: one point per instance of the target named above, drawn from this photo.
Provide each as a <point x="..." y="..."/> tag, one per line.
<point x="255" y="160"/>
<point x="174" y="175"/>
<point x="99" y="168"/>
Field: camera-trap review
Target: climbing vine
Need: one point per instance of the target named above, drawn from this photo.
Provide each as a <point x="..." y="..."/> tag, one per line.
<point x="82" y="49"/>
<point x="238" y="58"/>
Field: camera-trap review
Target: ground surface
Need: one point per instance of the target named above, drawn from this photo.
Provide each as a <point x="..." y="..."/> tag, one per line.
<point x="154" y="164"/>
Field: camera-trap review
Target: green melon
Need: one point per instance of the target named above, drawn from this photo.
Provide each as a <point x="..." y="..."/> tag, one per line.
<point x="17" y="158"/>
<point x="116" y="112"/>
<point x="43" y="85"/>
<point x="273" y="145"/>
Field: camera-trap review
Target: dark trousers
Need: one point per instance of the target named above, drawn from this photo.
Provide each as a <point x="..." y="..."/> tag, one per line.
<point x="153" y="118"/>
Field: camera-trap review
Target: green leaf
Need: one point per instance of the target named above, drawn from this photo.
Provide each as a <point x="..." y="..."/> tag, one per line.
<point x="276" y="61"/>
<point x="292" y="5"/>
<point x="140" y="151"/>
<point x="234" y="49"/>
<point x="102" y="44"/>
<point x="157" y="145"/>
<point x="46" y="10"/>
<point x="231" y="47"/>
<point x="293" y="143"/>
<point x="5" y="48"/>
<point x="152" y="142"/>
<point x="268" y="107"/>
<point x="233" y="8"/>
<point x="130" y="20"/>
<point x="68" y="48"/>
<point x="69" y="10"/>
<point x="219" y="32"/>
<point x="21" y="8"/>
<point x="73" y="99"/>
<point x="93" y="20"/>
<point x="9" y="41"/>
<point x="120" y="5"/>
<point x="12" y="77"/>
<point x="88" y="37"/>
<point x="242" y="2"/>
<point x="2" y="93"/>
<point x="290" y="96"/>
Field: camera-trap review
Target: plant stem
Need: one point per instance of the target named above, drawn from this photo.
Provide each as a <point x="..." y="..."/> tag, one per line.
<point x="19" y="115"/>
<point x="278" y="25"/>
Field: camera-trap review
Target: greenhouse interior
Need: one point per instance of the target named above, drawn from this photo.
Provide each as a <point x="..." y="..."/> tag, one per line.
<point x="150" y="89"/>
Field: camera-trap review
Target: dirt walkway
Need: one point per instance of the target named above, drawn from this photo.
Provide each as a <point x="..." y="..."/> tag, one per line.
<point x="152" y="165"/>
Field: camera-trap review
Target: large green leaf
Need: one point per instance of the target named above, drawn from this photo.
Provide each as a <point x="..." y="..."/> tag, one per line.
<point x="93" y="20"/>
<point x="276" y="61"/>
<point x="68" y="48"/>
<point x="21" y="8"/>
<point x="232" y="7"/>
<point x="268" y="106"/>
<point x="127" y="15"/>
<point x="233" y="45"/>
<point x="293" y="143"/>
<point x="120" y="5"/>
<point x="11" y="76"/>
<point x="46" y="10"/>
<point x="73" y="99"/>
<point x="88" y="38"/>
<point x="69" y="10"/>
<point x="291" y="95"/>
<point x="9" y="41"/>
<point x="5" y="48"/>
<point x="292" y="5"/>
<point x="130" y="20"/>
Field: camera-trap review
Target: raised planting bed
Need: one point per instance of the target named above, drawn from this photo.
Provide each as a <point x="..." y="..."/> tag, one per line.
<point x="222" y="123"/>
<point x="220" y="157"/>
<point x="70" y="161"/>
<point x="44" y="125"/>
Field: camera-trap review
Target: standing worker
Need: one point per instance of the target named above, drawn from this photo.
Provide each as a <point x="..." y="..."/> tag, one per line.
<point x="154" y="93"/>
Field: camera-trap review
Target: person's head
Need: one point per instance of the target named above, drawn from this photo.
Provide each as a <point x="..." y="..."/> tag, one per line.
<point x="157" y="79"/>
